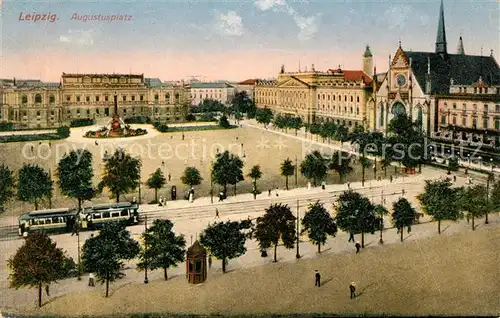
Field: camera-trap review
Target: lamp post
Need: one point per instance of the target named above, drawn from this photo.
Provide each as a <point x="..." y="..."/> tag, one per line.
<point x="212" y="184"/>
<point x="146" y="250"/>
<point x="491" y="178"/>
<point x="297" y="255"/>
<point x="296" y="173"/>
<point x="480" y="158"/>
<point x="79" y="258"/>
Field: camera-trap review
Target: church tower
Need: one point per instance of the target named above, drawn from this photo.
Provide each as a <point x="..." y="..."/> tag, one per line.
<point x="460" y="48"/>
<point x="441" y="34"/>
<point x="367" y="61"/>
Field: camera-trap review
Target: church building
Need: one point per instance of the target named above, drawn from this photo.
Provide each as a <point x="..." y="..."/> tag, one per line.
<point x="419" y="83"/>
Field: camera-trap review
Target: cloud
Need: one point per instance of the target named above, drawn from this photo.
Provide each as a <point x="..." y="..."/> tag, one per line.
<point x="308" y="25"/>
<point x="229" y="23"/>
<point x="81" y="38"/>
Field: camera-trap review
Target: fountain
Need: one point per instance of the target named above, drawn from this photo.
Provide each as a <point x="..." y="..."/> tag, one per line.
<point x="115" y="128"/>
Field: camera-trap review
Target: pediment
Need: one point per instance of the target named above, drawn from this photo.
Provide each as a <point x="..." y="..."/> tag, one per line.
<point x="293" y="82"/>
<point x="400" y="59"/>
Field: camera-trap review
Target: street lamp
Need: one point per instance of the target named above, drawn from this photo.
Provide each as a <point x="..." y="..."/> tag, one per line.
<point x="212" y="184"/>
<point x="79" y="258"/>
<point x="296" y="169"/>
<point x="491" y="178"/>
<point x="146" y="250"/>
<point x="297" y="255"/>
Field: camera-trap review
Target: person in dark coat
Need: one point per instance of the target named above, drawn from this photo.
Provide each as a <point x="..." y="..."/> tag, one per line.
<point x="351" y="237"/>
<point x="47" y="291"/>
<point x="317" y="279"/>
<point x="358" y="246"/>
<point x="352" y="289"/>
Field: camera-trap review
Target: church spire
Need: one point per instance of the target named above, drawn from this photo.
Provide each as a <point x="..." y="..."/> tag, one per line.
<point x="460" y="49"/>
<point x="441" y="33"/>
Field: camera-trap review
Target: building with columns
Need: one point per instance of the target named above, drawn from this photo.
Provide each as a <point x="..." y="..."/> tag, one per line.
<point x="33" y="103"/>
<point x="318" y="96"/>
<point x="219" y="91"/>
<point x="434" y="88"/>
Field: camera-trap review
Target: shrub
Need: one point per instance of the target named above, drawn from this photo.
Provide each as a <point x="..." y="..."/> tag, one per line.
<point x="224" y="122"/>
<point x="63" y="132"/>
<point x="137" y="120"/>
<point x="6" y="126"/>
<point x="190" y="117"/>
<point x="160" y="127"/>
<point x="82" y="122"/>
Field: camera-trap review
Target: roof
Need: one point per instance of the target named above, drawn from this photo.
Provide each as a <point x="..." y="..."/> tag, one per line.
<point x="153" y="82"/>
<point x="101" y="75"/>
<point x="30" y="83"/>
<point x="353" y="75"/>
<point x="251" y="81"/>
<point x="368" y="53"/>
<point x="463" y="69"/>
<point x="210" y="85"/>
<point x="196" y="249"/>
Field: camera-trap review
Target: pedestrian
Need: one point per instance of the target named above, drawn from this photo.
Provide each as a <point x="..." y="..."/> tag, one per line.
<point x="169" y="177"/>
<point x="277" y="195"/>
<point x="351" y="237"/>
<point x="160" y="202"/>
<point x="163" y="163"/>
<point x="454" y="178"/>
<point x="352" y="289"/>
<point x="91" y="280"/>
<point x="47" y="290"/>
<point x="318" y="279"/>
<point x="390" y="178"/>
<point x="209" y="261"/>
<point x="216" y="213"/>
<point x="269" y="192"/>
<point x="221" y="196"/>
<point x="358" y="246"/>
<point x="349" y="185"/>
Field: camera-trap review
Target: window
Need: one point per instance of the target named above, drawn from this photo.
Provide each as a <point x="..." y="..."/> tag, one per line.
<point x="485" y="123"/>
<point x="24" y="99"/>
<point x="474" y="123"/>
<point x="464" y="121"/>
<point x="454" y="106"/>
<point x="96" y="216"/>
<point x="475" y="107"/>
<point x="77" y="98"/>
<point x="88" y="112"/>
<point x="445" y="105"/>
<point x="115" y="214"/>
<point x="133" y="97"/>
<point x="357" y="99"/>
<point x="124" y="213"/>
<point x="497" y="108"/>
<point x="443" y="120"/>
<point x="38" y="99"/>
<point x="52" y="99"/>
<point x="105" y="215"/>
<point x="167" y="98"/>
<point x="156" y="98"/>
<point x="176" y="97"/>
<point x="352" y="99"/>
<point x="97" y="98"/>
<point x="485" y="108"/>
<point x="381" y="115"/>
<point x="497" y="124"/>
<point x="68" y="98"/>
<point x="345" y="98"/>
<point x="38" y="113"/>
<point x="475" y="90"/>
<point x="87" y="98"/>
<point x="480" y="90"/>
<point x="141" y="98"/>
<point x="486" y="90"/>
<point x="106" y="98"/>
<point x="454" y="120"/>
<point x="464" y="107"/>
<point x="124" y="98"/>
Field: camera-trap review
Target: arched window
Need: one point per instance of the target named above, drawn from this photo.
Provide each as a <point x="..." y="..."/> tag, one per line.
<point x="52" y="99"/>
<point x="398" y="109"/>
<point x="24" y="99"/>
<point x="38" y="99"/>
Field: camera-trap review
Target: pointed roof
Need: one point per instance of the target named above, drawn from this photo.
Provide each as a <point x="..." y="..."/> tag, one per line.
<point x="460" y="49"/>
<point x="196" y="249"/>
<point x="368" y="53"/>
<point x="441" y="33"/>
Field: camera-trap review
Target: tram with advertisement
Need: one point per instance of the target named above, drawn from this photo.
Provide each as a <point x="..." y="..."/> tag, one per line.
<point x="91" y="217"/>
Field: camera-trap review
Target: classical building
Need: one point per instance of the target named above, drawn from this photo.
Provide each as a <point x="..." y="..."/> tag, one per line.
<point x="247" y="86"/>
<point x="219" y="91"/>
<point x="425" y="84"/>
<point x="334" y="95"/>
<point x="33" y="103"/>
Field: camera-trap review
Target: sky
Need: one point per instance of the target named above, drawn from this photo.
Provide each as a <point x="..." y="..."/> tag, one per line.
<point x="228" y="39"/>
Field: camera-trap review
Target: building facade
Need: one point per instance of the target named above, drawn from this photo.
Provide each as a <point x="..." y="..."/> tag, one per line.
<point x="247" y="86"/>
<point x="335" y="95"/>
<point x="33" y="103"/>
<point x="219" y="91"/>
<point x="428" y="85"/>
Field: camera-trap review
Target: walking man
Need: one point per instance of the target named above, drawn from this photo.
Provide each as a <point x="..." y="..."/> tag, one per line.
<point x="318" y="279"/>
<point x="209" y="261"/>
<point x="47" y="290"/>
<point x="358" y="246"/>
<point x="351" y="237"/>
<point x="352" y="289"/>
<point x="169" y="177"/>
<point x="269" y="192"/>
<point x="91" y="280"/>
<point x="216" y="213"/>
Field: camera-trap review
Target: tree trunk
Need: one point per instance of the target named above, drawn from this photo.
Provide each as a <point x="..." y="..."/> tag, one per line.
<point x="255" y="189"/>
<point x="314" y="181"/>
<point x="165" y="273"/>
<point x="275" y="252"/>
<point x="156" y="195"/>
<point x="319" y="247"/>
<point x="224" y="265"/>
<point x="79" y="204"/>
<point x="362" y="239"/>
<point x="225" y="189"/>
<point x="486" y="219"/>
<point x="341" y="177"/>
<point x="385" y="172"/>
<point x="473" y="227"/>
<point x="36" y="204"/>
<point x="402" y="230"/>
<point x="295" y="132"/>
<point x="286" y="182"/>
<point x="439" y="226"/>
<point x="234" y="189"/>
<point x="117" y="198"/>
<point x="40" y="294"/>
<point x="363" y="174"/>
<point x="107" y="285"/>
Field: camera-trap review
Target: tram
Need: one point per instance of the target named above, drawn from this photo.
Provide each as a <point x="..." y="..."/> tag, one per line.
<point x="91" y="218"/>
<point x="51" y="220"/>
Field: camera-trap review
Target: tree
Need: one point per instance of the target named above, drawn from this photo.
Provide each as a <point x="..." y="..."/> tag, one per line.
<point x="122" y="173"/>
<point x="224" y="122"/>
<point x="164" y="248"/>
<point x="156" y="181"/>
<point x="342" y="134"/>
<point x="104" y="253"/>
<point x="381" y="211"/>
<point x="495" y="196"/>
<point x="38" y="262"/>
<point x="6" y="185"/>
<point x="404" y="215"/>
<point x="225" y="240"/>
<point x="453" y="164"/>
<point x="255" y="174"/>
<point x="75" y="175"/>
<point x="356" y="214"/>
<point x="314" y="167"/>
<point x="475" y="203"/>
<point x="318" y="224"/>
<point x="409" y="138"/>
<point x="34" y="184"/>
<point x="264" y="116"/>
<point x="287" y="170"/>
<point x="242" y="103"/>
<point x="191" y="177"/>
<point x="341" y="163"/>
<point x="227" y="169"/>
<point x="277" y="223"/>
<point x="440" y="201"/>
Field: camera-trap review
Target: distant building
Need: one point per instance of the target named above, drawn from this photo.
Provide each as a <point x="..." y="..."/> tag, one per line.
<point x="317" y="96"/>
<point x="33" y="103"/>
<point x="247" y="86"/>
<point x="443" y="92"/>
<point x="219" y="91"/>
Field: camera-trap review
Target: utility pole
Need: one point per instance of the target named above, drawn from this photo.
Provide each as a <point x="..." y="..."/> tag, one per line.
<point x="298" y="231"/>
<point x="50" y="197"/>
<point x="139" y="192"/>
<point x="79" y="258"/>
<point x="146" y="249"/>
<point x="296" y="171"/>
<point x="212" y="185"/>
